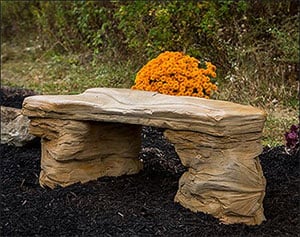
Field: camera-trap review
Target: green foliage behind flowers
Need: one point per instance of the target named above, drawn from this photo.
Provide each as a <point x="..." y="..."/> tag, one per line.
<point x="76" y="25"/>
<point x="16" y="19"/>
<point x="173" y="25"/>
<point x="203" y="29"/>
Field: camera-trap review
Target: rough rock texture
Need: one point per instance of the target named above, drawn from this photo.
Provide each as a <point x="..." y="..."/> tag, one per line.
<point x="218" y="141"/>
<point x="14" y="127"/>
<point x="74" y="151"/>
<point x="224" y="178"/>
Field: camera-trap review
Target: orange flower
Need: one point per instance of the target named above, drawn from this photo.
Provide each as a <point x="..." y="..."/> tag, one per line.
<point x="182" y="88"/>
<point x="214" y="87"/>
<point x="175" y="85"/>
<point x="208" y="91"/>
<point x="175" y="73"/>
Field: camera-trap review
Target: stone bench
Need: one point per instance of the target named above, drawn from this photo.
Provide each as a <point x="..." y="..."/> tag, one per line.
<point x="97" y="133"/>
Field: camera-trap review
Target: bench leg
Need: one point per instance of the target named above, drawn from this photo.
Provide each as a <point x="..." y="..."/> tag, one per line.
<point x="80" y="151"/>
<point x="224" y="176"/>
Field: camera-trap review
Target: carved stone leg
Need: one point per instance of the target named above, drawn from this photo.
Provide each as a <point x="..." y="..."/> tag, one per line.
<point x="79" y="151"/>
<point x="224" y="178"/>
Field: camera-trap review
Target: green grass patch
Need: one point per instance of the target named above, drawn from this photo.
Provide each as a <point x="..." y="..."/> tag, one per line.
<point x="66" y="74"/>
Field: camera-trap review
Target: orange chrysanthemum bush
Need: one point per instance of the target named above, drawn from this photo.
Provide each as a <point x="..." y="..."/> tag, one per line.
<point x="174" y="73"/>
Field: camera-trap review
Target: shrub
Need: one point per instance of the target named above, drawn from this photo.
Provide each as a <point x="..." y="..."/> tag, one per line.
<point x="16" y="19"/>
<point x="174" y="73"/>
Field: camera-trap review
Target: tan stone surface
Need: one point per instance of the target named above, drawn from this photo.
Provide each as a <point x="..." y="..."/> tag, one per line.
<point x="149" y="108"/>
<point x="74" y="151"/>
<point x="224" y="179"/>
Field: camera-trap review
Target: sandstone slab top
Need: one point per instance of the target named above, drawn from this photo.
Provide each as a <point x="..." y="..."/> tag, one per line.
<point x="219" y="118"/>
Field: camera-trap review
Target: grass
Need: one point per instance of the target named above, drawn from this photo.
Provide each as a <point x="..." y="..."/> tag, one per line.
<point x="278" y="122"/>
<point x="49" y="72"/>
<point x="52" y="73"/>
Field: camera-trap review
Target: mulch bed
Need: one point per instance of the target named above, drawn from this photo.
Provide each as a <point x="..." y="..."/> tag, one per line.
<point x="136" y="205"/>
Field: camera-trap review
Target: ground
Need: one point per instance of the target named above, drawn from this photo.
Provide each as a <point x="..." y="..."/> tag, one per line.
<point x="136" y="205"/>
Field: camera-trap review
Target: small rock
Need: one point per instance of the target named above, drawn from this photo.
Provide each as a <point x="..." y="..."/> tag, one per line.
<point x="14" y="127"/>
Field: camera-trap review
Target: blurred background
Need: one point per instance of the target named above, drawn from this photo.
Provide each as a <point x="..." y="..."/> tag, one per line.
<point x="65" y="47"/>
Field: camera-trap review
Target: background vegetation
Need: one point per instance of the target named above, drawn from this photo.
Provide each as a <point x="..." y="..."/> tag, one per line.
<point x="66" y="47"/>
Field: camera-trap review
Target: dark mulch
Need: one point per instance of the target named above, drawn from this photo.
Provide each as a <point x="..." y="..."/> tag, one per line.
<point x="137" y="205"/>
<point x="13" y="97"/>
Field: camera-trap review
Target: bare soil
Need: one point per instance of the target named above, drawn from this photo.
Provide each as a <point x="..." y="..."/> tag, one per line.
<point x="136" y="205"/>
